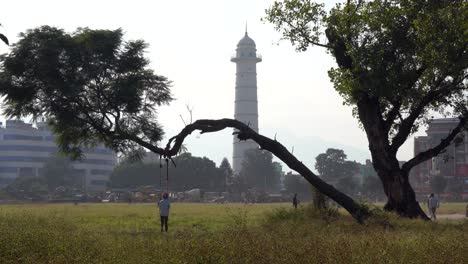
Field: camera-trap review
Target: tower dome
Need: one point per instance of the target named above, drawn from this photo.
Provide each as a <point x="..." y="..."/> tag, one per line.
<point x="246" y="41"/>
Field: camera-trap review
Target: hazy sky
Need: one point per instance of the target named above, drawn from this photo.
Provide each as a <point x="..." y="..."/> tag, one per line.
<point x="191" y="43"/>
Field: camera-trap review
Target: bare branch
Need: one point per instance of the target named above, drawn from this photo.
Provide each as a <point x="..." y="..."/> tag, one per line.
<point x="423" y="156"/>
<point x="407" y="124"/>
<point x="244" y="132"/>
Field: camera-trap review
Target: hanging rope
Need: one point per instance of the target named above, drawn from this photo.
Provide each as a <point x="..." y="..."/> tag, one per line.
<point x="167" y="175"/>
<point x="160" y="174"/>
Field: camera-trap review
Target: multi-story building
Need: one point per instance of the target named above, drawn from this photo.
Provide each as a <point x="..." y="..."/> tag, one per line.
<point x="451" y="164"/>
<point x="24" y="149"/>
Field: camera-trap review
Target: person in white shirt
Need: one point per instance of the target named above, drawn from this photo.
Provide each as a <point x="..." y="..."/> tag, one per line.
<point x="164" y="206"/>
<point x="432" y="205"/>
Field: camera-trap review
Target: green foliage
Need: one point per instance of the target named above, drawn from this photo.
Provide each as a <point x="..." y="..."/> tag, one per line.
<point x="397" y="51"/>
<point x="295" y="183"/>
<point x="191" y="173"/>
<point x="371" y="185"/>
<point x="27" y="187"/>
<point x="397" y="63"/>
<point x="226" y="169"/>
<point x="438" y="184"/>
<point x="91" y="84"/>
<point x="259" y="170"/>
<point x="332" y="165"/>
<point x="334" y="168"/>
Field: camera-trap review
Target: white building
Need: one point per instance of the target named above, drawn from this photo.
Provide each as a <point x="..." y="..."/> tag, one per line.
<point x="24" y="149"/>
<point x="246" y="104"/>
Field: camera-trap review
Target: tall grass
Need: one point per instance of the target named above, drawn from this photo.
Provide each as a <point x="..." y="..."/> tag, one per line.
<point x="220" y="234"/>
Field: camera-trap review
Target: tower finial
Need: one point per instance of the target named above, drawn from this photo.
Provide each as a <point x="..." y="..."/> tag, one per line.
<point x="246" y="27"/>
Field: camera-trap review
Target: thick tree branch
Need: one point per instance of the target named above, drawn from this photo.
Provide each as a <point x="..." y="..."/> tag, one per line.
<point x="423" y="156"/>
<point x="392" y="115"/>
<point x="432" y="96"/>
<point x="244" y="132"/>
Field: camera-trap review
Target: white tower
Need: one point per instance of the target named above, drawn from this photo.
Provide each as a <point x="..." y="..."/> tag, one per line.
<point x="246" y="109"/>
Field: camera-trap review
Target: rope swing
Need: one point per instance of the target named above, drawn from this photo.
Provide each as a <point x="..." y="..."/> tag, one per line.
<point x="160" y="173"/>
<point x="167" y="175"/>
<point x="167" y="172"/>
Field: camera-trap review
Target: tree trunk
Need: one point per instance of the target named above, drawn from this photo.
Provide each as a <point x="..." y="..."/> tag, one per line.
<point x="400" y="194"/>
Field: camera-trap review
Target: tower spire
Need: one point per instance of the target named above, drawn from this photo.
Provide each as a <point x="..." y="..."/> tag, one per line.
<point x="246" y="27"/>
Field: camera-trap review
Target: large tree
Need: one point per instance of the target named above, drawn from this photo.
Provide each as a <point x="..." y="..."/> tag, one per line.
<point x="258" y="170"/>
<point x="96" y="87"/>
<point x="93" y="85"/>
<point x="397" y="62"/>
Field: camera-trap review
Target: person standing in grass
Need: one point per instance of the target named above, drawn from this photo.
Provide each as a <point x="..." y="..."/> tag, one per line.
<point x="295" y="201"/>
<point x="432" y="205"/>
<point x="164" y="206"/>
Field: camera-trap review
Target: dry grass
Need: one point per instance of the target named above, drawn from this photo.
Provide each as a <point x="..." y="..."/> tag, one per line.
<point x="209" y="233"/>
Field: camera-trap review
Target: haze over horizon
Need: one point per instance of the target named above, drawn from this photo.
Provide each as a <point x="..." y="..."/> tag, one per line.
<point x="191" y="43"/>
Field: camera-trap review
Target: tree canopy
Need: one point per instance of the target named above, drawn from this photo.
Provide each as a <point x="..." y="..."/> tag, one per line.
<point x="259" y="170"/>
<point x="397" y="63"/>
<point x="91" y="84"/>
<point x="191" y="173"/>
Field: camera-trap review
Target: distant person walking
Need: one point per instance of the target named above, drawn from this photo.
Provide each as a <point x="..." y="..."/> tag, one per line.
<point x="295" y="201"/>
<point x="164" y="206"/>
<point x="432" y="205"/>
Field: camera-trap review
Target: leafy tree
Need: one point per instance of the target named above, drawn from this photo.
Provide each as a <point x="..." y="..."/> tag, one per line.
<point x="95" y="87"/>
<point x="372" y="188"/>
<point x="333" y="166"/>
<point x="25" y="187"/>
<point x="349" y="185"/>
<point x="190" y="173"/>
<point x="135" y="174"/>
<point x="371" y="185"/>
<point x="294" y="183"/>
<point x="397" y="61"/>
<point x="438" y="184"/>
<point x="456" y="189"/>
<point x="226" y="169"/>
<point x="259" y="171"/>
<point x="58" y="171"/>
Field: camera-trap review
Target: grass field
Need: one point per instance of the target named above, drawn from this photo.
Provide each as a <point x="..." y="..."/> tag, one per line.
<point x="213" y="233"/>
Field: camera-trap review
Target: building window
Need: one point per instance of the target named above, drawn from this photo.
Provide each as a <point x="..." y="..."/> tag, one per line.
<point x="99" y="182"/>
<point x="101" y="172"/>
<point x="21" y="137"/>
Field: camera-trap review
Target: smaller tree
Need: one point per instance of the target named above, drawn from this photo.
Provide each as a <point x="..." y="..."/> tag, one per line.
<point x="335" y="169"/>
<point x="438" y="184"/>
<point x="294" y="183"/>
<point x="259" y="171"/>
<point x="27" y="187"/>
<point x="226" y="170"/>
<point x="58" y="171"/>
<point x="456" y="189"/>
